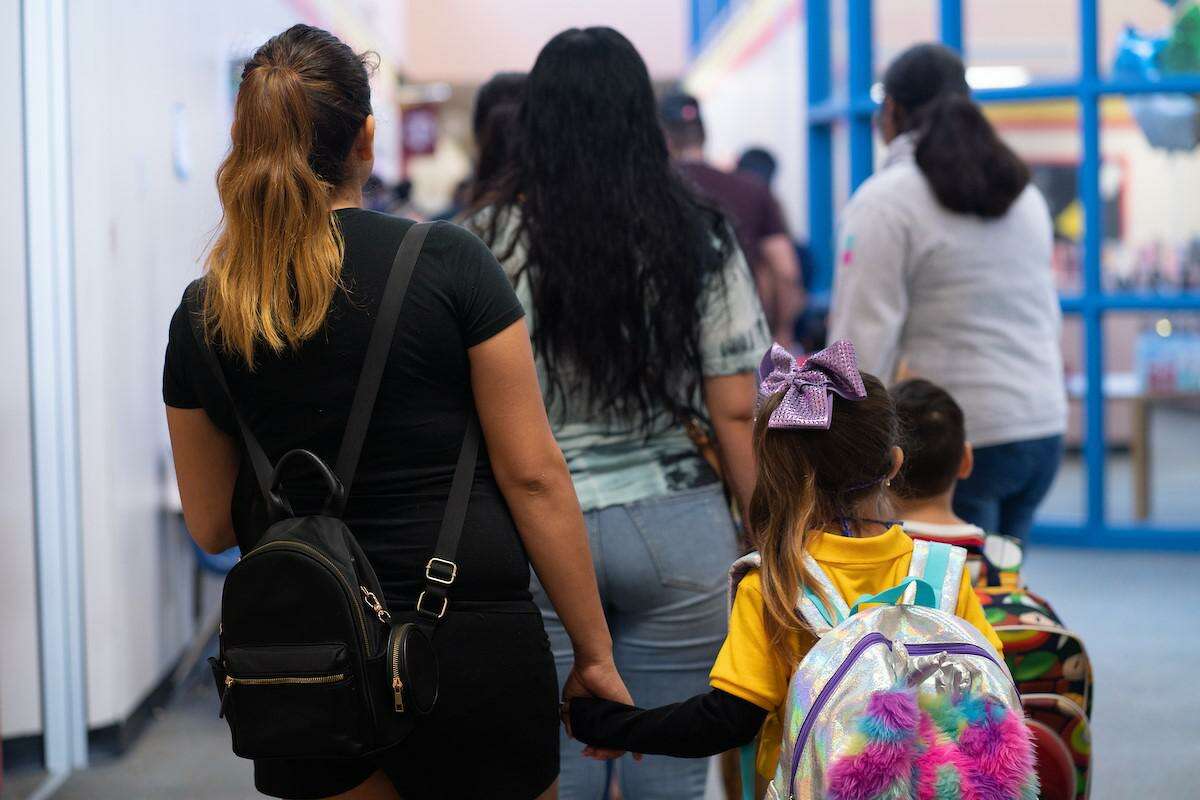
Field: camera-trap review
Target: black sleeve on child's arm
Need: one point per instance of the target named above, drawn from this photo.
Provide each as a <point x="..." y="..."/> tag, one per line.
<point x="705" y="725"/>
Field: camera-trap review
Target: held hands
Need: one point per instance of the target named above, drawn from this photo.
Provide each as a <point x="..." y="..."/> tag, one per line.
<point x="595" y="679"/>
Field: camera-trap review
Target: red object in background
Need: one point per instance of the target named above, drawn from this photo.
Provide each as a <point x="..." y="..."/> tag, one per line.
<point x="1055" y="764"/>
<point x="418" y="131"/>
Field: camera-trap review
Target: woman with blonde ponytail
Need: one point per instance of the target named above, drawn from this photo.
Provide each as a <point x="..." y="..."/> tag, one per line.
<point x="826" y="440"/>
<point x="291" y="288"/>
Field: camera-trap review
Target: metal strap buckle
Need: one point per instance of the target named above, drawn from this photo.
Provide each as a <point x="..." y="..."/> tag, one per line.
<point x="453" y="569"/>
<point x="441" y="613"/>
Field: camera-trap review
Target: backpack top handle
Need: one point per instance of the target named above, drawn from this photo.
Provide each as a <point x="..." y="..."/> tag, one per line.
<point x="336" y="499"/>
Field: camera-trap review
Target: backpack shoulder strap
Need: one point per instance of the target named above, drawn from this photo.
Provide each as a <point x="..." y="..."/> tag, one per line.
<point x="941" y="566"/>
<point x="258" y="456"/>
<point x="809" y="605"/>
<point x="739" y="570"/>
<point x="815" y="612"/>
<point x="378" y="348"/>
<point x="441" y="570"/>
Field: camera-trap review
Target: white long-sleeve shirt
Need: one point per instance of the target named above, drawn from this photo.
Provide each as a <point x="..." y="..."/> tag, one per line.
<point x="967" y="302"/>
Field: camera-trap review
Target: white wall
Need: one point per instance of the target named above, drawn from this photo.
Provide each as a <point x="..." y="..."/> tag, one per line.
<point x="20" y="688"/>
<point x="752" y="93"/>
<point x="465" y="41"/>
<point x="150" y="97"/>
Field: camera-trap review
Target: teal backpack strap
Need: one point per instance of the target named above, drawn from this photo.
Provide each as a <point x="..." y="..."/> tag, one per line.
<point x="815" y="612"/>
<point x="941" y="566"/>
<point x="747" y="755"/>
<point x="924" y="595"/>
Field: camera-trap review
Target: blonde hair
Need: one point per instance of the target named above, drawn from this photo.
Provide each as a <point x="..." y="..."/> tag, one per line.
<point x="276" y="261"/>
<point x="808" y="479"/>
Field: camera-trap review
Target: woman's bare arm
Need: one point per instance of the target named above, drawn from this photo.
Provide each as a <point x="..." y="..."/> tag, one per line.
<point x="730" y="403"/>
<point x="532" y="474"/>
<point x="206" y="466"/>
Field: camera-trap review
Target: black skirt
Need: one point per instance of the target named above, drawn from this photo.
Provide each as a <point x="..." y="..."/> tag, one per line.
<point x="493" y="732"/>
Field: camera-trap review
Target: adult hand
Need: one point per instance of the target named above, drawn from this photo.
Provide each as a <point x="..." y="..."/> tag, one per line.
<point x="595" y="679"/>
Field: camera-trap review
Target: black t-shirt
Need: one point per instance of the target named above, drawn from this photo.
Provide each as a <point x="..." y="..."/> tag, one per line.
<point x="458" y="297"/>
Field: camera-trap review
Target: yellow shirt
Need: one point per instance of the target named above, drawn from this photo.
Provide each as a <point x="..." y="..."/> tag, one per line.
<point x="751" y="668"/>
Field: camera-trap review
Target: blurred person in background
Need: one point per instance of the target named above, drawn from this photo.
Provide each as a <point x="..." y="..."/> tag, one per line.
<point x="944" y="272"/>
<point x="760" y="164"/>
<point x="753" y="211"/>
<point x="292" y="283"/>
<point x="644" y="316"/>
<point x="496" y="125"/>
<point x="757" y="162"/>
<point x="493" y="126"/>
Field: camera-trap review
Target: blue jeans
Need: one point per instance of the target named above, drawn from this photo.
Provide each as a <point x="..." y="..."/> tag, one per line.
<point x="662" y="566"/>
<point x="1009" y="482"/>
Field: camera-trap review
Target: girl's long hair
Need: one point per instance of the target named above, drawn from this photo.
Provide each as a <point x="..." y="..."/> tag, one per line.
<point x="809" y="480"/>
<point x="276" y="260"/>
<point x="969" y="168"/>
<point x="618" y="250"/>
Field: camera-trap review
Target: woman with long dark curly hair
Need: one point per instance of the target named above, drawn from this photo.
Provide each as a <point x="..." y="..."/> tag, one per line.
<point x="644" y="316"/>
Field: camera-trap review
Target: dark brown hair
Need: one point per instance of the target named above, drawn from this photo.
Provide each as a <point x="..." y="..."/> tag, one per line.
<point x="496" y="123"/>
<point x="934" y="432"/>
<point x="969" y="168"/>
<point x="808" y="480"/>
<point x="277" y="257"/>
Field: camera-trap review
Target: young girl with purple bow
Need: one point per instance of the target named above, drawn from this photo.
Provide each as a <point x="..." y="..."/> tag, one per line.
<point x="826" y="439"/>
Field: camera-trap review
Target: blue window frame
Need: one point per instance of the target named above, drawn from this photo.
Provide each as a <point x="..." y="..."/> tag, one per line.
<point x="854" y="107"/>
<point x="707" y="16"/>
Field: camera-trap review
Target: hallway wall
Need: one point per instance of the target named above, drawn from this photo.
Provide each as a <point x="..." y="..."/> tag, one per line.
<point x="152" y="93"/>
<point x="20" y="687"/>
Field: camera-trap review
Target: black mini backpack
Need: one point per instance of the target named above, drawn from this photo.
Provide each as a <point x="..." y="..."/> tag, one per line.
<point x="311" y="664"/>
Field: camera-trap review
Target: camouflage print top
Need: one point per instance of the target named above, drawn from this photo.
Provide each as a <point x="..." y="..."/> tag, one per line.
<point x="612" y="462"/>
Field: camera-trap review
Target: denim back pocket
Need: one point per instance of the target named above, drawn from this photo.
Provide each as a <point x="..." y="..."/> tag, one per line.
<point x="689" y="535"/>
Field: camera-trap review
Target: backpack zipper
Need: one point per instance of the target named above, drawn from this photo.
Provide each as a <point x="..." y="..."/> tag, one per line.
<point x="231" y="681"/>
<point x="397" y="684"/>
<point x="350" y="593"/>
<point x="874" y="638"/>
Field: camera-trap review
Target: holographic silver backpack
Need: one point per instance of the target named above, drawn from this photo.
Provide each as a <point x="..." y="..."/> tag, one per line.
<point x="903" y="701"/>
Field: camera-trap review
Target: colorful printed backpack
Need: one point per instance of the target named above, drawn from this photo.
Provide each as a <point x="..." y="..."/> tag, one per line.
<point x="1054" y="675"/>
<point x="902" y="701"/>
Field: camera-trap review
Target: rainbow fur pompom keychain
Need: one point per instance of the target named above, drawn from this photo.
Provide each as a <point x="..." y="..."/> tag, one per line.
<point x="920" y="746"/>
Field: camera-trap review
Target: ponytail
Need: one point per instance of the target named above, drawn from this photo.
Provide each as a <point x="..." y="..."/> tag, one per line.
<point x="970" y="169"/>
<point x="808" y="480"/>
<point x="276" y="262"/>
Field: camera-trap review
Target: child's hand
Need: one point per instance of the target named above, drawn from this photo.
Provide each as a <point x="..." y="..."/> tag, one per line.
<point x="595" y="680"/>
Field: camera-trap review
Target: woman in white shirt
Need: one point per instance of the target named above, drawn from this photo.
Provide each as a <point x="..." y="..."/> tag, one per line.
<point x="944" y="272"/>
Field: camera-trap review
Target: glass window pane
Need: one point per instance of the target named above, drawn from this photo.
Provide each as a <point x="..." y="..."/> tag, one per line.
<point x="1152" y="417"/>
<point x="1066" y="503"/>
<point x="1149" y="17"/>
<point x="1015" y="42"/>
<point x="1151" y="222"/>
<point x="1046" y="135"/>
<point x="841" y="166"/>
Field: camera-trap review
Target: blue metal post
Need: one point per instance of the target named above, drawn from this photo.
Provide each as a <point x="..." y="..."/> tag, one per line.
<point x="950" y="24"/>
<point x="820" y="146"/>
<point x="861" y="74"/>
<point x="1093" y="316"/>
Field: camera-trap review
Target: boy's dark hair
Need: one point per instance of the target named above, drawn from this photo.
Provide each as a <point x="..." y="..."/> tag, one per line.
<point x="931" y="423"/>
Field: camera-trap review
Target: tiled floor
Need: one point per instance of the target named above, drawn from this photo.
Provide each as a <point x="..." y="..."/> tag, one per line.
<point x="1137" y="612"/>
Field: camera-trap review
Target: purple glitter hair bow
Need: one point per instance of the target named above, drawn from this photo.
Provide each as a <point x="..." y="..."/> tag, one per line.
<point x="810" y="384"/>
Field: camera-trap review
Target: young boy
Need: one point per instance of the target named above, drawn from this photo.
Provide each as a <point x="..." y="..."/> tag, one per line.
<point x="937" y="456"/>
